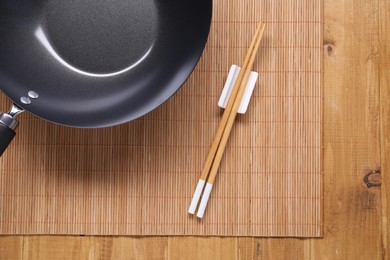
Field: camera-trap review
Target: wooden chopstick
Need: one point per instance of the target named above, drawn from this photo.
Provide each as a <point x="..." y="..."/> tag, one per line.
<point x="232" y="116"/>
<point x="228" y="109"/>
<point x="221" y="128"/>
<point x="248" y="63"/>
<point x="229" y="125"/>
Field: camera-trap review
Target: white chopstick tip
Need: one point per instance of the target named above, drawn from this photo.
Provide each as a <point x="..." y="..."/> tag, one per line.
<point x="205" y="199"/>
<point x="196" y="197"/>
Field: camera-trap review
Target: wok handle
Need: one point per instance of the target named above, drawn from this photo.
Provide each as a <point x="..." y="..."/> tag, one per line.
<point x="8" y="124"/>
<point x="6" y="137"/>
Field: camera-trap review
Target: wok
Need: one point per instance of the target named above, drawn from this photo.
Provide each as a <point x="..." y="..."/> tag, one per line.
<point x="96" y="63"/>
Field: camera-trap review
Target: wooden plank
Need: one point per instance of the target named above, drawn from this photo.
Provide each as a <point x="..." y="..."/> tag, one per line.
<point x="271" y="248"/>
<point x="202" y="248"/>
<point x="384" y="54"/>
<point x="351" y="131"/>
<point x="137" y="248"/>
<point x="80" y="247"/>
<point x="11" y="247"/>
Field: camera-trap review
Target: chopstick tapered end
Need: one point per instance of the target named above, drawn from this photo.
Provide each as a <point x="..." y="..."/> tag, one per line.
<point x="196" y="197"/>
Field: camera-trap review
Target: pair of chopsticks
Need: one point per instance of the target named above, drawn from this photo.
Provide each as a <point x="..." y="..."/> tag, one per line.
<point x="218" y="146"/>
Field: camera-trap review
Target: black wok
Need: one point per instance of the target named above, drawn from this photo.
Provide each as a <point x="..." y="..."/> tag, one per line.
<point x="96" y="63"/>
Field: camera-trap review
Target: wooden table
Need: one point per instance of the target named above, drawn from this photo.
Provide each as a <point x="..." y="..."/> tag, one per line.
<point x="356" y="146"/>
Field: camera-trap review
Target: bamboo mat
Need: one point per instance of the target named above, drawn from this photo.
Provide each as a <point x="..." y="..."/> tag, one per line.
<point x="138" y="178"/>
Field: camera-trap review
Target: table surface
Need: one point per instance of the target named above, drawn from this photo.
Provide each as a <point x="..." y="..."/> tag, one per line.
<point x="356" y="145"/>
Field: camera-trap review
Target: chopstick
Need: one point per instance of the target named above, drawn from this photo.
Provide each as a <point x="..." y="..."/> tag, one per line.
<point x="225" y="137"/>
<point x="221" y="128"/>
<point x="218" y="146"/>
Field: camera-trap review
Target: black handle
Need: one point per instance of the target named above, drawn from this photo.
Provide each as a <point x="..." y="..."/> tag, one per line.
<point x="6" y="136"/>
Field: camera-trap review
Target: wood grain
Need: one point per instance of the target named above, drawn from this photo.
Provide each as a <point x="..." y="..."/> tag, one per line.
<point x="383" y="56"/>
<point x="356" y="141"/>
<point x="138" y="178"/>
